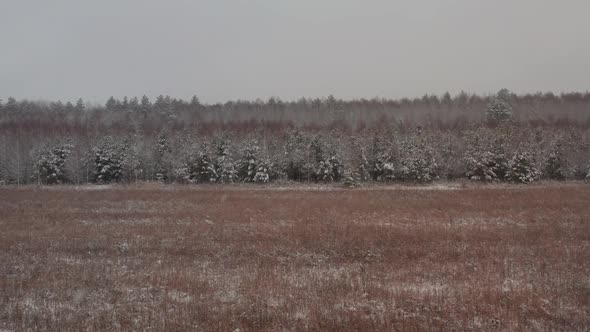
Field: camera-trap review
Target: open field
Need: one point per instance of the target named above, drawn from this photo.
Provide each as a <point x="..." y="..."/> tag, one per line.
<point x="227" y="258"/>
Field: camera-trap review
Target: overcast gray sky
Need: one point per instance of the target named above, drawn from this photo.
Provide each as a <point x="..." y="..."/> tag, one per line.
<point x="245" y="49"/>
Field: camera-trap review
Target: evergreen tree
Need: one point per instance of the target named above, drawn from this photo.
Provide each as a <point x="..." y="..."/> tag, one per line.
<point x="162" y="165"/>
<point x="111" y="104"/>
<point x="499" y="109"/>
<point x="485" y="157"/>
<point x="131" y="165"/>
<point x="109" y="158"/>
<point x="133" y="106"/>
<point x="363" y="171"/>
<point x="11" y="107"/>
<point x="69" y="108"/>
<point x="50" y="165"/>
<point x="554" y="163"/>
<point x="329" y="169"/>
<point x="382" y="165"/>
<point x="198" y="169"/>
<point x="224" y="165"/>
<point x="295" y="162"/>
<point x="80" y="107"/>
<point x="248" y="165"/>
<point x="264" y="171"/>
<point x="418" y="163"/>
<point x="522" y="168"/>
<point x="195" y="103"/>
<point x="145" y="105"/>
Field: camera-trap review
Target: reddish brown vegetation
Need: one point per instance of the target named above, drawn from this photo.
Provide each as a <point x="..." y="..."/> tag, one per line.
<point x="186" y="258"/>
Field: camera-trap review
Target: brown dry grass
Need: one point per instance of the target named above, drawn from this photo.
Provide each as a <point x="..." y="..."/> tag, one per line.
<point x="183" y="258"/>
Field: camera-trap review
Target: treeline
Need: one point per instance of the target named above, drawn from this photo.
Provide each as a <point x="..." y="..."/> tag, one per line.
<point x="134" y="140"/>
<point x="505" y="152"/>
<point x="132" y="115"/>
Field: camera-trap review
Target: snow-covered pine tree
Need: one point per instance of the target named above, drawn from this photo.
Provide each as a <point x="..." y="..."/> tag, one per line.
<point x="224" y="164"/>
<point x="326" y="165"/>
<point x="295" y="163"/>
<point x="351" y="180"/>
<point x="480" y="166"/>
<point x="329" y="169"/>
<point x="485" y="156"/>
<point x="553" y="166"/>
<point x="198" y="169"/>
<point x="383" y="168"/>
<point x="499" y="108"/>
<point x="418" y="163"/>
<point x="248" y="164"/>
<point x="109" y="157"/>
<point x="49" y="167"/>
<point x="448" y="151"/>
<point x="264" y="171"/>
<point x="363" y="171"/>
<point x="162" y="160"/>
<point x="522" y="168"/>
<point x="131" y="162"/>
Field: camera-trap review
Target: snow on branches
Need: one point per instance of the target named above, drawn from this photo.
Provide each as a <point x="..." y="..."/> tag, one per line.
<point x="51" y="161"/>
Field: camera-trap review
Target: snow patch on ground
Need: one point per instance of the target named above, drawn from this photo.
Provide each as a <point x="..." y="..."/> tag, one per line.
<point x="179" y="296"/>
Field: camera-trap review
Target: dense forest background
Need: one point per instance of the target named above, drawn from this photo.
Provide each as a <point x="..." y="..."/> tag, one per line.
<point x="311" y="140"/>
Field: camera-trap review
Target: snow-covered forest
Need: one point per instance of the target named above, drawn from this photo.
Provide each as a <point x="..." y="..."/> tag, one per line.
<point x="504" y="137"/>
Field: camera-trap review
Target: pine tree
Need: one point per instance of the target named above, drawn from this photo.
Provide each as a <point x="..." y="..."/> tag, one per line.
<point x="522" y="168"/>
<point x="224" y="165"/>
<point x="499" y="109"/>
<point x="554" y="163"/>
<point x="11" y="108"/>
<point x="69" y="107"/>
<point x="49" y="168"/>
<point x="109" y="157"/>
<point x="198" y="169"/>
<point x="111" y="104"/>
<point x="329" y="169"/>
<point x="363" y="171"/>
<point x="485" y="157"/>
<point x="418" y="163"/>
<point x="382" y="165"/>
<point x="80" y="107"/>
<point x="248" y="165"/>
<point x="481" y="166"/>
<point x="131" y="162"/>
<point x="264" y="171"/>
<point x="295" y="162"/>
<point x="162" y="165"/>
<point x="145" y="106"/>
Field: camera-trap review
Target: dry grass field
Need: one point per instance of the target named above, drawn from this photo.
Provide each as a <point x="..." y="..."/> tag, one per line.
<point x="295" y="258"/>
